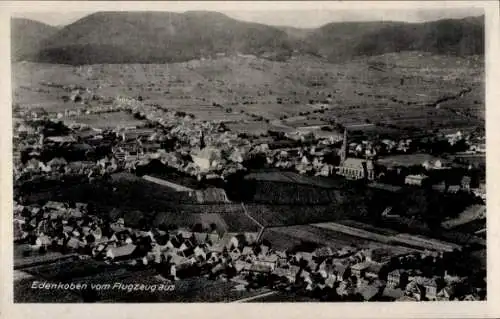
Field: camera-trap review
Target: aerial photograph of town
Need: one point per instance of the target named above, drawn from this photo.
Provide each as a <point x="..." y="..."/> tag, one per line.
<point x="205" y="156"/>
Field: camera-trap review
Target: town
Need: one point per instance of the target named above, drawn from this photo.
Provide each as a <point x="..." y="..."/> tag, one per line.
<point x="248" y="255"/>
<point x="185" y="157"/>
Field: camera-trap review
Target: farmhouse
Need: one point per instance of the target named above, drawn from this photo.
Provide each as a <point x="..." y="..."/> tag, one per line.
<point x="417" y="180"/>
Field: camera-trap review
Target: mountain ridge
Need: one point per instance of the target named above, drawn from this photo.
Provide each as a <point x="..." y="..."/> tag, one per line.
<point x="163" y="37"/>
<point x="27" y="36"/>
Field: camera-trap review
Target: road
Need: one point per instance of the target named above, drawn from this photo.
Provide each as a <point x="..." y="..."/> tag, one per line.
<point x="256" y="297"/>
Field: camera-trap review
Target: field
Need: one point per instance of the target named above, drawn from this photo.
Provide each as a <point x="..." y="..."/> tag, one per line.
<point x="396" y="91"/>
<point x="288" y="215"/>
<point x="233" y="222"/>
<point x="256" y="127"/>
<point x="135" y="198"/>
<point x="288" y="237"/>
<point x="69" y="270"/>
<point x="107" y="120"/>
<point x="472" y="159"/>
<point x="290" y="177"/>
<point x="407" y="160"/>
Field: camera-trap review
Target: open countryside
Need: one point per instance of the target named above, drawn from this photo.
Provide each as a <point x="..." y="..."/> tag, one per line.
<point x="340" y="163"/>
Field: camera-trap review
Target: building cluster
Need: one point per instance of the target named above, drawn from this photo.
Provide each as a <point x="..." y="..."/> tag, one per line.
<point x="369" y="274"/>
<point x="206" y="149"/>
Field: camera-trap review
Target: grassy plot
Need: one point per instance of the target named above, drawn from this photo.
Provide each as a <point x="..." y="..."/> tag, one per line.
<point x="107" y="120"/>
<point x="70" y="270"/>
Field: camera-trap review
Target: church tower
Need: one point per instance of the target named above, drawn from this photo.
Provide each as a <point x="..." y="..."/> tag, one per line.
<point x="343" y="150"/>
<point x="202" y="140"/>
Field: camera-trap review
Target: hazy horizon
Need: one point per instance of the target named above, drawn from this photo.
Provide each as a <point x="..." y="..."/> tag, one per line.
<point x="289" y="18"/>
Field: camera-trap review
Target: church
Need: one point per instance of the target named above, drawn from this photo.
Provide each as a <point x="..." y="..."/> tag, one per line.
<point x="354" y="168"/>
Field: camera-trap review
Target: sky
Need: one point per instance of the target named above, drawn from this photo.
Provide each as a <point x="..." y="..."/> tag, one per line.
<point x="293" y="14"/>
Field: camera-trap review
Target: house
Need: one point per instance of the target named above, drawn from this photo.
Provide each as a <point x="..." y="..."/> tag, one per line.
<point x="342" y="271"/>
<point x="306" y="277"/>
<point x="453" y="189"/>
<point x="222" y="244"/>
<point x="323" y="252"/>
<point x="177" y="260"/>
<point x="359" y="269"/>
<point x="213" y="257"/>
<point x="373" y="270"/>
<point x="396" y="278"/>
<point x="378" y="255"/>
<point x="19" y="233"/>
<point x="361" y="282"/>
<point x="241" y="266"/>
<point x="326" y="269"/>
<point x="330" y="281"/>
<point x="289" y="273"/>
<point x="61" y="139"/>
<point x="186" y="244"/>
<point x="264" y="250"/>
<point x="186" y="252"/>
<point x="431" y="287"/>
<point x="42" y="241"/>
<point x="430" y="165"/>
<point x="208" y="238"/>
<point x="247" y="251"/>
<point x="119" y="223"/>
<point x="57" y="162"/>
<point x="74" y="243"/>
<point x="268" y="261"/>
<point x="174" y="243"/>
<point x="345" y="252"/>
<point x="446" y="293"/>
<point x="55" y="206"/>
<point x="261" y="268"/>
<point x="201" y="251"/>
<point x="234" y="252"/>
<point x="480" y="191"/>
<point x="414" y="290"/>
<point x="345" y="288"/>
<point x="121" y="252"/>
<point x="440" y="187"/>
<point x="415" y="180"/>
<point x="465" y="183"/>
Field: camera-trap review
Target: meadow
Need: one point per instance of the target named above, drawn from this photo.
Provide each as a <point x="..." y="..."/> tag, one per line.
<point x="398" y="91"/>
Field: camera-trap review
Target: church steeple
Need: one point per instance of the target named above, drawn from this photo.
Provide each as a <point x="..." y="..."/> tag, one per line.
<point x="202" y="140"/>
<point x="343" y="151"/>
